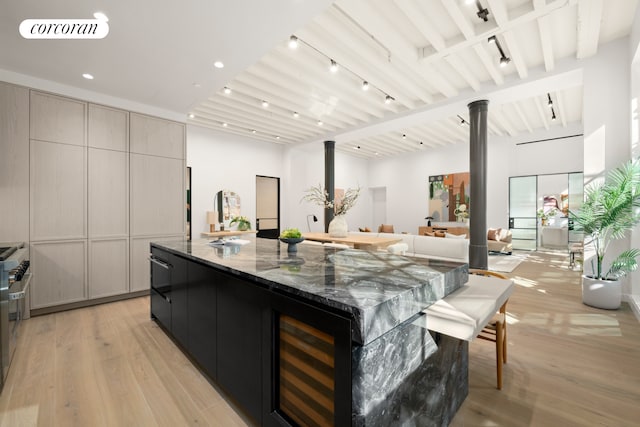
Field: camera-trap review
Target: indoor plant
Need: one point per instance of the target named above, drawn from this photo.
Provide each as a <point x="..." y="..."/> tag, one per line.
<point x="338" y="225"/>
<point x="242" y="221"/>
<point x="610" y="209"/>
<point x="544" y="216"/>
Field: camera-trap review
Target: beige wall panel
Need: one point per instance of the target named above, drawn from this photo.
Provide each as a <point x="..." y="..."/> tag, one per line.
<point x="58" y="191"/>
<point x="108" y="128"/>
<point x="157" y="196"/>
<point x="150" y="135"/>
<point x="108" y="267"/>
<point x="59" y="275"/>
<point x="57" y="119"/>
<point x="108" y="181"/>
<point x="14" y="163"/>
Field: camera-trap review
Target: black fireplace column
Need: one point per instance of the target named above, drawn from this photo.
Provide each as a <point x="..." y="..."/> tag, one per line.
<point x="478" y="251"/>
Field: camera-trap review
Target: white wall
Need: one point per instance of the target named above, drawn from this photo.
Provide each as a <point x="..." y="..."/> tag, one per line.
<point x="226" y="162"/>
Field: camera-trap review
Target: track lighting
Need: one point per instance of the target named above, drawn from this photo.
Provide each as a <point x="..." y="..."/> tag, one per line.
<point x="334" y="66"/>
<point x="462" y="120"/>
<point x="404" y="136"/>
<point x="277" y="137"/>
<point x="296" y="115"/>
<point x="553" y="114"/>
<point x="320" y="123"/>
<point x="388" y="99"/>
<point x="227" y="90"/>
<point x="549" y="101"/>
<point x="253" y="131"/>
<point x="504" y="59"/>
<point x="483" y="13"/>
<point x="293" y="42"/>
<point x="224" y="125"/>
<point x="265" y="104"/>
<point x="365" y="85"/>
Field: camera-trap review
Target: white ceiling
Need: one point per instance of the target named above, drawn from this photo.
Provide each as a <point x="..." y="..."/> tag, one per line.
<point x="423" y="53"/>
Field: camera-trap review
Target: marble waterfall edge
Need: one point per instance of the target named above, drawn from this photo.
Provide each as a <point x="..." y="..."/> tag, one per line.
<point x="408" y="378"/>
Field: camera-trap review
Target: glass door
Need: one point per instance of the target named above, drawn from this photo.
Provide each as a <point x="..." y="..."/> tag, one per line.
<point x="576" y="197"/>
<point x="523" y="192"/>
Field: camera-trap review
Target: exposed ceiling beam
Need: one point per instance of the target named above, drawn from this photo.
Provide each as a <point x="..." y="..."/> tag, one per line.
<point x="501" y="15"/>
<point x="589" y="19"/>
<point x="561" y="108"/>
<point x="522" y="116"/>
<point x="546" y="41"/>
<point x="543" y="111"/>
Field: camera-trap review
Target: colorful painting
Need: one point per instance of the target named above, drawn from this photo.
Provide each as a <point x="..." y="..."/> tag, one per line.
<point x="447" y="195"/>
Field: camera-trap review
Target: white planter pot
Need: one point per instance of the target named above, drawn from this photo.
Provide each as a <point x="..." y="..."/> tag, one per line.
<point x="601" y="293"/>
<point x="338" y="227"/>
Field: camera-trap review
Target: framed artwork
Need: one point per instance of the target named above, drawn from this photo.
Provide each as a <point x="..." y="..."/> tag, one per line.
<point x="447" y="194"/>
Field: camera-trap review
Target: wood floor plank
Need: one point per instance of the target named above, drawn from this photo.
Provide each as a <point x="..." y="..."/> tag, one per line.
<point x="568" y="365"/>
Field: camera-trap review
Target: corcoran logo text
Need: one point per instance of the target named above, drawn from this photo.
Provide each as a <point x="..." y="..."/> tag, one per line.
<point x="64" y="29"/>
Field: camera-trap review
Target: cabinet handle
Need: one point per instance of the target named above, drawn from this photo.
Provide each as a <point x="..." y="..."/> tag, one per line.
<point x="160" y="263"/>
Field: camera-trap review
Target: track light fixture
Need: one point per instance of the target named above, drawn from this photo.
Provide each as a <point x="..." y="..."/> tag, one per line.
<point x="295" y="114"/>
<point x="549" y="101"/>
<point x="265" y="104"/>
<point x="404" y="136"/>
<point x="227" y="90"/>
<point x="293" y="42"/>
<point x="553" y="114"/>
<point x="334" y="67"/>
<point x="504" y="59"/>
<point x="462" y="120"/>
<point x="483" y="13"/>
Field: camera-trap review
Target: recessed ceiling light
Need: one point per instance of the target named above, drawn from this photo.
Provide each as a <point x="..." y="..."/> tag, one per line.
<point x="224" y="125"/>
<point x="295" y="114"/>
<point x="87" y="76"/>
<point x="265" y="104"/>
<point x="277" y="137"/>
<point x="293" y="42"/>
<point x="218" y="64"/>
<point x="192" y="116"/>
<point x="227" y="90"/>
<point x="101" y="16"/>
<point x="253" y="131"/>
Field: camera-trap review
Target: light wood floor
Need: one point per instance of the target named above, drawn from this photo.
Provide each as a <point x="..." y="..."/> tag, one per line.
<point x="109" y="365"/>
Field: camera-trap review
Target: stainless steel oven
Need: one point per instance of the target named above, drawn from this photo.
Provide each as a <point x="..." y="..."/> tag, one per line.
<point x="15" y="277"/>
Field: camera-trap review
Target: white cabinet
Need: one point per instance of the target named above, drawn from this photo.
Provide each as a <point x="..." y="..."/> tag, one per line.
<point x="58" y="191"/>
<point x="108" y="267"/>
<point x="14" y="163"/>
<point x="157" y="196"/>
<point x="57" y="119"/>
<point x="108" y="128"/>
<point x="59" y="273"/>
<point x="150" y="135"/>
<point x="108" y="194"/>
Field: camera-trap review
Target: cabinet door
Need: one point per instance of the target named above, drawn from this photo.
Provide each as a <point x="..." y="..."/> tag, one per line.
<point x="58" y="191"/>
<point x="108" y="182"/>
<point x="201" y="317"/>
<point x="179" y="299"/>
<point x="58" y="273"/>
<point x="239" y="318"/>
<point x="161" y="269"/>
<point x="157" y="196"/>
<point x="108" y="267"/>
<point x="14" y="163"/>
<point x="108" y="128"/>
<point x="159" y="137"/>
<point x="57" y="119"/>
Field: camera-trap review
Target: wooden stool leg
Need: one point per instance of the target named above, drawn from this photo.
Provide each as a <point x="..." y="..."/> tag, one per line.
<point x="504" y="342"/>
<point x="499" y="352"/>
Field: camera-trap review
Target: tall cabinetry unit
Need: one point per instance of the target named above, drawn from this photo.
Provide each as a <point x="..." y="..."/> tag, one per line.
<point x="14" y="163"/>
<point x="157" y="174"/>
<point x="58" y="194"/>
<point x="103" y="183"/>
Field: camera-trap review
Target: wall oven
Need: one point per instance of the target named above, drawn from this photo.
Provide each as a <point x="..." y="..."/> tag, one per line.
<point x="15" y="277"/>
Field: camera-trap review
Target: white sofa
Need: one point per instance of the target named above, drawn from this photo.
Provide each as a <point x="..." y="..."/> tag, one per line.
<point x="448" y="249"/>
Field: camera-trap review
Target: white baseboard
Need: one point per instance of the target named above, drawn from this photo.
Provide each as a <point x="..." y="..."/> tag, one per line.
<point x="634" y="303"/>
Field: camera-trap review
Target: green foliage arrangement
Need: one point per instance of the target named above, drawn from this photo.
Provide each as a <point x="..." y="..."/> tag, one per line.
<point x="242" y="221"/>
<point x="610" y="210"/>
<point x="291" y="233"/>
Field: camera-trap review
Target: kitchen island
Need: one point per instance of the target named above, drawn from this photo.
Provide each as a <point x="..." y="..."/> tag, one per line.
<point x="321" y="337"/>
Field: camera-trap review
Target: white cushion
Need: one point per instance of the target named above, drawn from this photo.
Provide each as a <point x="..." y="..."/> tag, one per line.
<point x="398" y="248"/>
<point x="455" y="236"/>
<point x="463" y="313"/>
<point x="439" y="248"/>
<point x="406" y="238"/>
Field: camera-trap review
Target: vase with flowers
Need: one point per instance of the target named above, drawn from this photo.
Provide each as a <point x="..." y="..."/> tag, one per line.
<point x="319" y="195"/>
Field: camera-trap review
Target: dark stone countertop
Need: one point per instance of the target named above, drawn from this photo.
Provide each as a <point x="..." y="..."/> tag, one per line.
<point x="378" y="290"/>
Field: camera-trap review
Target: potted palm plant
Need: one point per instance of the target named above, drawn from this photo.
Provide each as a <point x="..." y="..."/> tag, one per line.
<point x="610" y="209"/>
